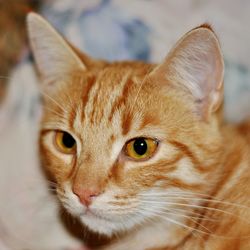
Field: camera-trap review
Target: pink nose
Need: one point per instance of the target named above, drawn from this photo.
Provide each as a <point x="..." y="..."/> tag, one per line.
<point x="86" y="196"/>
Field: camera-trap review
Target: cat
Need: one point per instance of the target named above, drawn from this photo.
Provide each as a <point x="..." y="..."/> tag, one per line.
<point x="140" y="152"/>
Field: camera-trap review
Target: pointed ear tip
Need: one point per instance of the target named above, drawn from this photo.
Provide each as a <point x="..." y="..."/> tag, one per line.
<point x="31" y="16"/>
<point x="34" y="18"/>
<point x="206" y="28"/>
<point x="206" y="33"/>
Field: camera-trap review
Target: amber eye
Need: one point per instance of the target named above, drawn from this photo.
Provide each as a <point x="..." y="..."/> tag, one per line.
<point x="65" y="142"/>
<point x="141" y="148"/>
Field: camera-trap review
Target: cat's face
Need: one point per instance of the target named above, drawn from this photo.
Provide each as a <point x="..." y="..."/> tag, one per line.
<point x="128" y="143"/>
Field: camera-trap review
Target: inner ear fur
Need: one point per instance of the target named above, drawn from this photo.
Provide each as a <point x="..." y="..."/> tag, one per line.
<point x="195" y="64"/>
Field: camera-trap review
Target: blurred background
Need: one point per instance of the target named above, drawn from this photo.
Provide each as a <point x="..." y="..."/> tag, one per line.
<point x="141" y="29"/>
<point x="108" y="29"/>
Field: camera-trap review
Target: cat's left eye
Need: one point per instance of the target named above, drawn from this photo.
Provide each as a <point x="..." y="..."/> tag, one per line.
<point x="65" y="142"/>
<point x="141" y="148"/>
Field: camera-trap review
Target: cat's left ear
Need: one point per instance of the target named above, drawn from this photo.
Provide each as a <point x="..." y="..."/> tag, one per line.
<point x="55" y="58"/>
<point x="196" y="65"/>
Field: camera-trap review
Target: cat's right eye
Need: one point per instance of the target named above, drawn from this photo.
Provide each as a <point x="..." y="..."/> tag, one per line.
<point x="141" y="148"/>
<point x="65" y="142"/>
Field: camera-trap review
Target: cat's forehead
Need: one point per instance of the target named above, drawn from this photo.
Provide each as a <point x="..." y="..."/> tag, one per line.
<point x="108" y="93"/>
<point x="117" y="70"/>
<point x="110" y="100"/>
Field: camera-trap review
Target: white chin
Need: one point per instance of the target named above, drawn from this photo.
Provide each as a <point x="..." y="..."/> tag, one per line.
<point x="103" y="226"/>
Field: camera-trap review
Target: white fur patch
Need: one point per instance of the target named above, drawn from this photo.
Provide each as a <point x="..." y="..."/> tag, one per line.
<point x="186" y="172"/>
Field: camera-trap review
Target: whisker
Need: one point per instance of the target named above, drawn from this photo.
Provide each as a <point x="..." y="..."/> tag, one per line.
<point x="195" y="214"/>
<point x="54" y="125"/>
<point x="191" y="229"/>
<point x="210" y="233"/>
<point x="192" y="206"/>
<point x="202" y="200"/>
<point x="60" y="192"/>
<point x="54" y="101"/>
<point x="192" y="218"/>
<point x="195" y="221"/>
<point x="176" y="193"/>
<point x="184" y="226"/>
<point x="43" y="181"/>
<point x="54" y="112"/>
<point x="138" y="92"/>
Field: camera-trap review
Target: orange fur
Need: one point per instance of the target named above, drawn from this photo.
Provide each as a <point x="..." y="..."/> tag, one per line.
<point x="193" y="193"/>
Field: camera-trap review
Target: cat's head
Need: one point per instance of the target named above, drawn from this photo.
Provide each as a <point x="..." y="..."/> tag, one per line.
<point x="128" y="142"/>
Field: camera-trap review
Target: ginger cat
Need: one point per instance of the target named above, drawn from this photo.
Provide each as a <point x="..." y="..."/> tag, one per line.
<point x="140" y="152"/>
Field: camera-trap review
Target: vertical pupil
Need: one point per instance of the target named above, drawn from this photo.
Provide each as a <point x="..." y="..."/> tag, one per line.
<point x="140" y="146"/>
<point x="68" y="140"/>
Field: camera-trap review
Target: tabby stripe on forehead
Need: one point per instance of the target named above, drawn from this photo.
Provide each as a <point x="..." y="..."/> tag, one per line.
<point x="95" y="107"/>
<point x="126" y="122"/>
<point x="122" y="98"/>
<point x="127" y="115"/>
<point x="72" y="116"/>
<point x="85" y="94"/>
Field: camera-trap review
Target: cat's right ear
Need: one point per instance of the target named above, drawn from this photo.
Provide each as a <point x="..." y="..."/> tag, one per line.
<point x="54" y="57"/>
